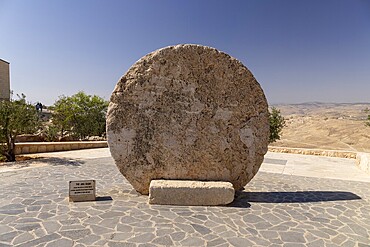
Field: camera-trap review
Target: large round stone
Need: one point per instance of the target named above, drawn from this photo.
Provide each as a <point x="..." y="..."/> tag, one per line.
<point x="188" y="112"/>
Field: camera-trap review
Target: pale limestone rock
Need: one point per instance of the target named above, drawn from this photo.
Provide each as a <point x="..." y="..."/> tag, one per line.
<point x="188" y="112"/>
<point x="363" y="161"/>
<point x="190" y="193"/>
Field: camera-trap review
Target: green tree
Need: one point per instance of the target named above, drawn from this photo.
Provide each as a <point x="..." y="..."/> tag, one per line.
<point x="50" y="133"/>
<point x="16" y="117"/>
<point x="80" y="115"/>
<point x="367" y="123"/>
<point x="277" y="123"/>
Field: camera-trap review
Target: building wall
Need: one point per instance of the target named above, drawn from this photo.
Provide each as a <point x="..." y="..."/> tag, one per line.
<point x="4" y="80"/>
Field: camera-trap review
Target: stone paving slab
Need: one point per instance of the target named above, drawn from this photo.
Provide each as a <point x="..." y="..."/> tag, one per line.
<point x="314" y="166"/>
<point x="275" y="209"/>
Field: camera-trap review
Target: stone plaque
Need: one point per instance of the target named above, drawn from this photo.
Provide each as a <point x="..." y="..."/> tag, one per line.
<point x="83" y="190"/>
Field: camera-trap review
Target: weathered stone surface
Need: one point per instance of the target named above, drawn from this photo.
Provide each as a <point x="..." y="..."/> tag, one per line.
<point x="192" y="193"/>
<point x="363" y="161"/>
<point x="188" y="112"/>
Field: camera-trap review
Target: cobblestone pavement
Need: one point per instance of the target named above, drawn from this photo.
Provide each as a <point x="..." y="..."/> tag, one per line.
<point x="274" y="210"/>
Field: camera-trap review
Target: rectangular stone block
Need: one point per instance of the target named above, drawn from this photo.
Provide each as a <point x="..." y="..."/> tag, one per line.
<point x="74" y="146"/>
<point x="58" y="147"/>
<point x="18" y="149"/>
<point x="41" y="149"/>
<point x="67" y="147"/>
<point x="50" y="148"/>
<point x="33" y="149"/>
<point x="190" y="193"/>
<point x="25" y="150"/>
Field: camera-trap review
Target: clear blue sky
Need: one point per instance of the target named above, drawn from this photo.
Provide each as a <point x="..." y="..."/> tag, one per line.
<point x="299" y="51"/>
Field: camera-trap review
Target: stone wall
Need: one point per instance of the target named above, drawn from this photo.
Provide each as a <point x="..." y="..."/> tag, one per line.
<point x="319" y="152"/>
<point x="42" y="147"/>
<point x="4" y="80"/>
<point x="363" y="161"/>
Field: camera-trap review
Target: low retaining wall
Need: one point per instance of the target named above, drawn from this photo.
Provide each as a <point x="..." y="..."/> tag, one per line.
<point x="319" y="152"/>
<point x="363" y="159"/>
<point x="43" y="147"/>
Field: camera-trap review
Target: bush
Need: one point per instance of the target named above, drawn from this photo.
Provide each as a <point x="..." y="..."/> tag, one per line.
<point x="51" y="133"/>
<point x="367" y="121"/>
<point x="80" y="115"/>
<point x="277" y="123"/>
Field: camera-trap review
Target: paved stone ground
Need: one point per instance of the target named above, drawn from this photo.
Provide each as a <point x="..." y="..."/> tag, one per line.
<point x="275" y="209"/>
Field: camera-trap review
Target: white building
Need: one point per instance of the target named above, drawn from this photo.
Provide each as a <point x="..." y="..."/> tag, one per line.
<point x="4" y="80"/>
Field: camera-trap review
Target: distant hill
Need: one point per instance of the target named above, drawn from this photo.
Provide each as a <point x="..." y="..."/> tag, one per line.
<point x="326" y="125"/>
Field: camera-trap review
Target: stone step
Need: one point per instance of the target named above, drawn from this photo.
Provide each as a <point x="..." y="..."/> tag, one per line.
<point x="190" y="193"/>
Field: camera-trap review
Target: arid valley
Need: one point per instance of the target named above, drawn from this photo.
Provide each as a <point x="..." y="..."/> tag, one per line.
<point x="332" y="126"/>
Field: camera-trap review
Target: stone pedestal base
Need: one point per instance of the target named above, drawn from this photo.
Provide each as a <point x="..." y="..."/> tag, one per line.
<point x="190" y="193"/>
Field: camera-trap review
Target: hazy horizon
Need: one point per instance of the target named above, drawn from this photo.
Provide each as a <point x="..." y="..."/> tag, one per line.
<point x="299" y="51"/>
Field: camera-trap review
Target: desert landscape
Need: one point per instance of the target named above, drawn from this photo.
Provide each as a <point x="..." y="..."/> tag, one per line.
<point x="333" y="126"/>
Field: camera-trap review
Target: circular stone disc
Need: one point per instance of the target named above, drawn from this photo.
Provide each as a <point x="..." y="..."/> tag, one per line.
<point x="188" y="112"/>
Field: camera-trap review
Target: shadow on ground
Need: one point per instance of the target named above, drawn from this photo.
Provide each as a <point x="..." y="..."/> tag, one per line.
<point x="40" y="161"/>
<point x="104" y="198"/>
<point x="243" y="198"/>
<point x="63" y="161"/>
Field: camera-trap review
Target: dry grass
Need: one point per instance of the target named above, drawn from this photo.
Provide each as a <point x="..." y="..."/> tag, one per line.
<point x="19" y="158"/>
<point x="326" y="126"/>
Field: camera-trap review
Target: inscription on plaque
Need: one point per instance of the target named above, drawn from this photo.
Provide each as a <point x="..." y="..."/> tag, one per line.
<point x="81" y="191"/>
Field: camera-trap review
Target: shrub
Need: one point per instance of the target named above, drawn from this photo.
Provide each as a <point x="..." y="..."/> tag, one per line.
<point x="277" y="123"/>
<point x="80" y="115"/>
